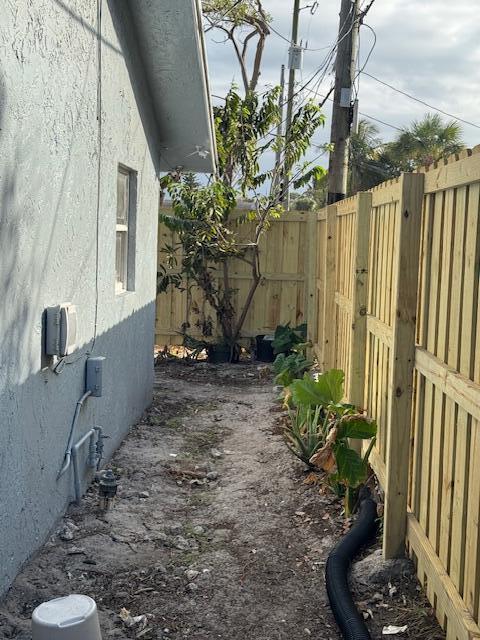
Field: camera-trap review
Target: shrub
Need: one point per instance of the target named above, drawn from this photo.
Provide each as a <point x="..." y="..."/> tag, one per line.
<point x="288" y="368"/>
<point x="306" y="433"/>
<point x="287" y="339"/>
<point x="305" y="204"/>
<point x="340" y="422"/>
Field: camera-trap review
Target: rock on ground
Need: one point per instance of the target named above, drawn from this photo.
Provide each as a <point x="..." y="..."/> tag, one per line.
<point x="374" y="570"/>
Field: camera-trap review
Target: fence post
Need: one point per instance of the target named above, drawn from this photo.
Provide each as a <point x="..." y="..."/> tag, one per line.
<point x="311" y="277"/>
<point x="406" y="270"/>
<point x="329" y="307"/>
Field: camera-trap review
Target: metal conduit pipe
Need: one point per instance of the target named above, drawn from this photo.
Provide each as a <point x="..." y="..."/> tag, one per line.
<point x="93" y="460"/>
<point x="346" y="614"/>
<point x="68" y="450"/>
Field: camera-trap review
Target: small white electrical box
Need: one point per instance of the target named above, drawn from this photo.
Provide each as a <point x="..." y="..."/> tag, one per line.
<point x="345" y="97"/>
<point x="94" y="376"/>
<point x="61" y="330"/>
<point x="295" y="57"/>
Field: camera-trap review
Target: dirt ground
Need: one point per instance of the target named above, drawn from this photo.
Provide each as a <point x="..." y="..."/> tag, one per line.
<point x="213" y="535"/>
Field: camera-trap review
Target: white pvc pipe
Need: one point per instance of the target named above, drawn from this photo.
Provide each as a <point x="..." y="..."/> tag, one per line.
<point x="68" y="452"/>
<point x="76" y="471"/>
<point x="74" y="617"/>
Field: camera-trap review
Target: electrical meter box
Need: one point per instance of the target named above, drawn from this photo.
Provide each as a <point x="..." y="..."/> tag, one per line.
<point x="61" y="330"/>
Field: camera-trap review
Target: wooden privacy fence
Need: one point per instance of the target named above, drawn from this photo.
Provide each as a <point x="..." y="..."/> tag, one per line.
<point x="397" y="288"/>
<point x="285" y="255"/>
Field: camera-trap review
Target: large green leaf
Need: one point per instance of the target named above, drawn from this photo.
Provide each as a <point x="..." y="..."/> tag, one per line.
<point x="328" y="389"/>
<point x="358" y="427"/>
<point x="288" y="368"/>
<point x="351" y="469"/>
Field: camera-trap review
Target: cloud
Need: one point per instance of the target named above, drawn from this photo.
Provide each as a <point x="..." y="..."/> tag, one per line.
<point x="430" y="49"/>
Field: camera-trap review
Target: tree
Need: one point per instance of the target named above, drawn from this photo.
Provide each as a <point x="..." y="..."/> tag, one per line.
<point x="233" y="17"/>
<point x="425" y="141"/>
<point x="365" y="167"/>
<point x="202" y="214"/>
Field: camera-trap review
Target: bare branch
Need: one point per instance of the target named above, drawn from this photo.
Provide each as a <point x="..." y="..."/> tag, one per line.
<point x="238" y="53"/>
<point x="239" y="15"/>
<point x="251" y="35"/>
<point x="258" y="61"/>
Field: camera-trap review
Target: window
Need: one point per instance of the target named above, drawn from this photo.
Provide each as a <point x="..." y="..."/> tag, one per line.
<point x="125" y="230"/>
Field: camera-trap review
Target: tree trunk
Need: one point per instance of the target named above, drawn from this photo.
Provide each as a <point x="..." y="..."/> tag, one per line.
<point x="256" y="281"/>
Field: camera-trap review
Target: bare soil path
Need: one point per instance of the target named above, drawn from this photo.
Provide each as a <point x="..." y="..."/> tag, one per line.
<point x="213" y="535"/>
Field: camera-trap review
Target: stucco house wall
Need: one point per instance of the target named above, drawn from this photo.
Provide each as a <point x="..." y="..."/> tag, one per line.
<point x="68" y="117"/>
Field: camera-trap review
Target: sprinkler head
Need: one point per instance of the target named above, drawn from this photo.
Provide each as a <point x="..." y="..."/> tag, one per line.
<point x="107" y="488"/>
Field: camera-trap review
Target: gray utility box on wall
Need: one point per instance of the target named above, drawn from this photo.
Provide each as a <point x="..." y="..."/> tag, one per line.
<point x="94" y="376"/>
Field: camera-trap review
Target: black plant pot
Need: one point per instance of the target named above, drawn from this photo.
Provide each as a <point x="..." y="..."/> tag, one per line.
<point x="265" y="349"/>
<point x="220" y="353"/>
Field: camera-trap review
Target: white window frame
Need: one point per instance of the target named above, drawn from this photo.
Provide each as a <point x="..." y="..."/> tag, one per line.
<point x="125" y="227"/>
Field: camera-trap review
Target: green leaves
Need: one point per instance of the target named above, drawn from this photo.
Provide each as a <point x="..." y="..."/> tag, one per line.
<point x="340" y="421"/>
<point x="287" y="368"/>
<point x="315" y="173"/>
<point x="357" y="427"/>
<point x="242" y="126"/>
<point x="351" y="468"/>
<point x="305" y="436"/>
<point x="204" y="236"/>
<point x="286" y="338"/>
<point x="327" y="390"/>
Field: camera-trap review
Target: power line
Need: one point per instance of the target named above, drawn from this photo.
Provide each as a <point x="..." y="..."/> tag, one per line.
<point x="329" y="46"/>
<point x="371" y="50"/>
<point x="362" y="113"/>
<point x="387" y="124"/>
<point x="280" y="35"/>
<point x="367" y="59"/>
<point x="426" y="104"/>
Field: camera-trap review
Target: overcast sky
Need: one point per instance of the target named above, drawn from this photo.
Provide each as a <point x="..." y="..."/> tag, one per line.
<point x="428" y="48"/>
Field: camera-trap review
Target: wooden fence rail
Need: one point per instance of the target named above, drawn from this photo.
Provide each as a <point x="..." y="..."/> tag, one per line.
<point x="389" y="283"/>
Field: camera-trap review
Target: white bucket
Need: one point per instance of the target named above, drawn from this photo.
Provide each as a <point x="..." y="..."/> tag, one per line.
<point x="73" y="617"/>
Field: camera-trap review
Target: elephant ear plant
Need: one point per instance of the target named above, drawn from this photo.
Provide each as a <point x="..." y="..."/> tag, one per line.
<point x="328" y="426"/>
<point x="287" y="339"/>
<point x="290" y="345"/>
<point x="289" y="368"/>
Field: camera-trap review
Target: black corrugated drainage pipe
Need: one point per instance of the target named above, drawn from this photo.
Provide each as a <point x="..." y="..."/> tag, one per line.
<point x="346" y="614"/>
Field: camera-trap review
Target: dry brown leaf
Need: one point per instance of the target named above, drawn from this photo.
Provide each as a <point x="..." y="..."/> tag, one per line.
<point x="286" y="397"/>
<point x="324" y="458"/>
<point x="332" y="436"/>
<point x="311" y="479"/>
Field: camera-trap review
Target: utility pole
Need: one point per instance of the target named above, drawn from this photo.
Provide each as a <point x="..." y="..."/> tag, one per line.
<point x="342" y="114"/>
<point x="291" y="89"/>
<point x="280" y="175"/>
<point x="281" y="99"/>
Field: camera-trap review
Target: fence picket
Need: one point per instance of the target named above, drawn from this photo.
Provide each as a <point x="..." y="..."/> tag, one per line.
<point x="359" y="302"/>
<point x="329" y="329"/>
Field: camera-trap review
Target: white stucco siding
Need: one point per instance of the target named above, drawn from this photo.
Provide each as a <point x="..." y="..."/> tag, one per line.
<point x="50" y="149"/>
